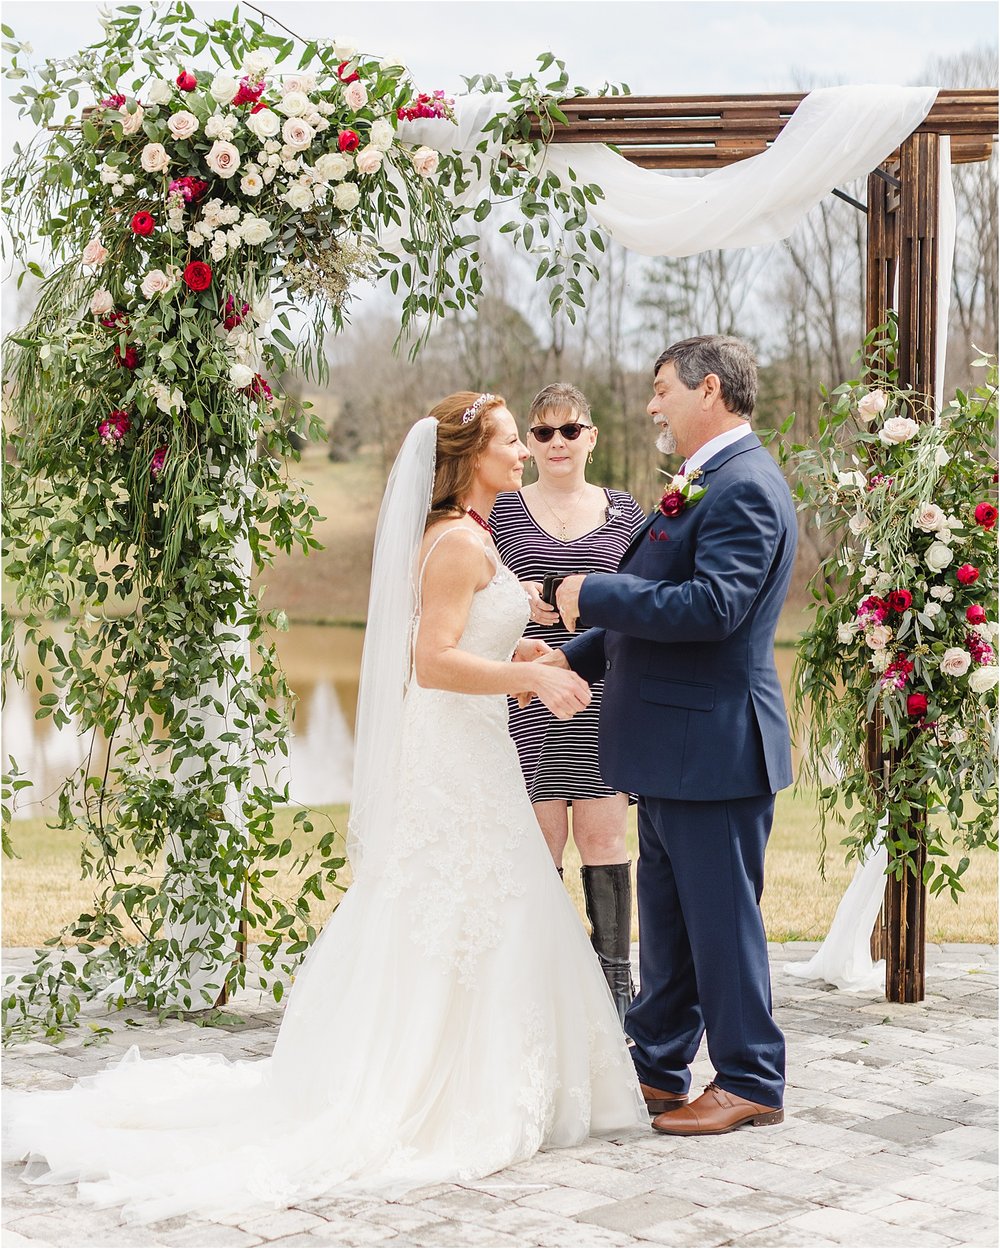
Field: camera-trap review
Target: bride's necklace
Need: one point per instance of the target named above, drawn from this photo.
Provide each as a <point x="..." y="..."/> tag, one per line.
<point x="479" y="520"/>
<point x="562" y="523"/>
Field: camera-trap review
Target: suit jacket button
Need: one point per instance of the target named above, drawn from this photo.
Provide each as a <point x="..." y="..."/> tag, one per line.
<point x="607" y="666"/>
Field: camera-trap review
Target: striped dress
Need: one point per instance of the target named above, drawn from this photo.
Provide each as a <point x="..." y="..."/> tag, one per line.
<point x="559" y="757"/>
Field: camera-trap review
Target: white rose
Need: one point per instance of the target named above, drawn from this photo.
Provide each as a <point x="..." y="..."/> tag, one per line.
<point x="928" y="517"/>
<point x="933" y="609"/>
<point x="332" y="166"/>
<point x="156" y="282"/>
<point x="255" y="230"/>
<point x="132" y="122"/>
<point x="938" y="556"/>
<point x="880" y="661"/>
<point x="846" y="633"/>
<point x="347" y="196"/>
<point x="251" y="184"/>
<point x="941" y="457"/>
<point x="871" y="405"/>
<point x="263" y="310"/>
<point x="298" y="196"/>
<point x="240" y="376"/>
<point x="382" y="134"/>
<point x="858" y="523"/>
<point x="160" y="91"/>
<point x="294" y="104"/>
<point x="355" y="95"/>
<point x="297" y="134"/>
<point x="223" y="158"/>
<point x="898" y="429"/>
<point x="258" y="62"/>
<point x="955" y="662"/>
<point x="264" y="124"/>
<point x="220" y="126"/>
<point x="154" y="158"/>
<point x="943" y="592"/>
<point x="369" y="160"/>
<point x="851" y="480"/>
<point x="223" y="89"/>
<point x="94" y="253"/>
<point x="109" y="175"/>
<point x="878" y="637"/>
<point x="183" y="125"/>
<point x="101" y="302"/>
<point x="128" y="179"/>
<point x="303" y="83"/>
<point x="425" y="161"/>
<point x="268" y="175"/>
<point x="984" y="679"/>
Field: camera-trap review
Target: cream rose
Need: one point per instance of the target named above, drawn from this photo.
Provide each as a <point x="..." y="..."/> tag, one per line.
<point x="984" y="679"/>
<point x="851" y="480"/>
<point x="871" y="405"/>
<point x="928" y="517"/>
<point x="938" y="556"/>
<point x="898" y="429"/>
<point x="294" y="104"/>
<point x="382" y="134"/>
<point x="880" y="660"/>
<point x="369" y="160"/>
<point x="101" y="302"/>
<point x="298" y="196"/>
<point x="154" y="158"/>
<point x="297" y="134"/>
<point x="343" y="51"/>
<point x="258" y="62"/>
<point x="943" y="592"/>
<point x="347" y="196"/>
<point x="858" y="523"/>
<point x="265" y="124"/>
<point x="224" y="89"/>
<point x="425" y="161"/>
<point x="132" y="122"/>
<point x="302" y="83"/>
<point x="183" y="125"/>
<point x="255" y="230"/>
<point x="878" y="637"/>
<point x="955" y="662"/>
<point x="160" y="91"/>
<point x="332" y="166"/>
<point x="156" y="282"/>
<point x="252" y="184"/>
<point x="220" y="126"/>
<point x="94" y="253"/>
<point x="240" y="376"/>
<point x="223" y="158"/>
<point x="846" y="632"/>
<point x="355" y="95"/>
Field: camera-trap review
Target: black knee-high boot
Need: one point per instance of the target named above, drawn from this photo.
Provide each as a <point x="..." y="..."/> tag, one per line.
<point x="607" y="893"/>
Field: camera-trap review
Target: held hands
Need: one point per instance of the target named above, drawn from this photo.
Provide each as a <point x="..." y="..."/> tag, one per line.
<point x="531" y="648"/>
<point x="562" y="691"/>
<point x="541" y="612"/>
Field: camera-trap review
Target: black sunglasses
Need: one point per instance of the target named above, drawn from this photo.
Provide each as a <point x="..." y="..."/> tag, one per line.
<point x="570" y="432"/>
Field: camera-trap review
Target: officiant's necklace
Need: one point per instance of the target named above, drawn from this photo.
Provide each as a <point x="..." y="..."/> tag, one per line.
<point x="563" y="524"/>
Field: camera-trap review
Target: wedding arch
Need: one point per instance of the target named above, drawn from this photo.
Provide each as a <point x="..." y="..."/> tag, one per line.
<point x="191" y="214"/>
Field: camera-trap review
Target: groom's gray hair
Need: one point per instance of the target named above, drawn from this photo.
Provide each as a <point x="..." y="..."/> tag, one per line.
<point x="730" y="359"/>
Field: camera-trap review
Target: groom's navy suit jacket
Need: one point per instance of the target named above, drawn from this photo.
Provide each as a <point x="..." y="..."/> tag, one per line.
<point x="683" y="635"/>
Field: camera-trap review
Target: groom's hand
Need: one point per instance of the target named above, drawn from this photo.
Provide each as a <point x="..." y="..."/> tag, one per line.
<point x="554" y="657"/>
<point x="568" y="601"/>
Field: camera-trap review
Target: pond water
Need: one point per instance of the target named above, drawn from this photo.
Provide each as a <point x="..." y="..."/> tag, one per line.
<point x="322" y="664"/>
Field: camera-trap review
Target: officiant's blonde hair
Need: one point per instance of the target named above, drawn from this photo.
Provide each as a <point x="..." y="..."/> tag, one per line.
<point x="459" y="446"/>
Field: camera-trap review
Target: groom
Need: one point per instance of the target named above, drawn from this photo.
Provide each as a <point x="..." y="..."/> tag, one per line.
<point x="693" y="720"/>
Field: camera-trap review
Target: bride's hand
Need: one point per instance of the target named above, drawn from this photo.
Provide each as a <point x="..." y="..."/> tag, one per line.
<point x="531" y="648"/>
<point x="562" y="691"/>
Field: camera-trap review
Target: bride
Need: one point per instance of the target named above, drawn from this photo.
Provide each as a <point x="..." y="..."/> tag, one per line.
<point x="452" y="1018"/>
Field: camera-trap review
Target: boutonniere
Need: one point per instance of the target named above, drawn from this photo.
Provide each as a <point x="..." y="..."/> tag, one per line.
<point x="681" y="492"/>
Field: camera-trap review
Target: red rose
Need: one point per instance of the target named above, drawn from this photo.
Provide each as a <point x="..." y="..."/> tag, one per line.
<point x="186" y="80"/>
<point x="346" y="77"/>
<point x="899" y="600"/>
<point x="130" y="360"/>
<point x="986" y="515"/>
<point x="348" y="141"/>
<point x="260" y="106"/>
<point x="975" y="614"/>
<point x="672" y="503"/>
<point x="967" y="574"/>
<point x="916" y="706"/>
<point x="198" y="275"/>
<point x="143" y="224"/>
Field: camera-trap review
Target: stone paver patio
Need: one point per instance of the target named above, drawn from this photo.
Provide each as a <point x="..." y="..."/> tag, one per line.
<point x="890" y="1138"/>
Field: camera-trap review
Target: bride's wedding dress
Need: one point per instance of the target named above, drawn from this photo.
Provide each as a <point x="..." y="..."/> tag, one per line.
<point x="451" y="1019"/>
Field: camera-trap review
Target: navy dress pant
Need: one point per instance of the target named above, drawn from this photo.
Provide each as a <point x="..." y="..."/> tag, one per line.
<point x="703" y="962"/>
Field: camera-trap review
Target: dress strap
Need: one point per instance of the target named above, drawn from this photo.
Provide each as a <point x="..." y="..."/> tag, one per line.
<point x="440" y="538"/>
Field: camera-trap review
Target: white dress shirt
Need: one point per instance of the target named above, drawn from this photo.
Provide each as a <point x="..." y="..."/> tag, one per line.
<point x="715" y="445"/>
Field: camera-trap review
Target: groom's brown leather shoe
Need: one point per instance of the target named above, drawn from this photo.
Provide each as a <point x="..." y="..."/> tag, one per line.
<point x="659" y="1102"/>
<point x="714" y="1112"/>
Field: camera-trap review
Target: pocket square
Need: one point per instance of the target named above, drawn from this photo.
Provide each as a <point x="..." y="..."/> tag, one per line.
<point x="658" y="537"/>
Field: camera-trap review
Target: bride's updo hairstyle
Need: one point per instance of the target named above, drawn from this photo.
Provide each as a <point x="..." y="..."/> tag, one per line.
<point x="464" y="430"/>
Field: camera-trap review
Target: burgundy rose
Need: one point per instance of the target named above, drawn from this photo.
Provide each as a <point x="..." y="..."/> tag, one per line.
<point x="916" y="706"/>
<point x="348" y="140"/>
<point x="233" y="316"/>
<point x="259" y="389"/>
<point x="899" y="600"/>
<point x="986" y="515"/>
<point x="157" y="462"/>
<point x="114" y="320"/>
<point x="345" y="74"/>
<point x="975" y="614"/>
<point x="198" y="275"/>
<point x="968" y="574"/>
<point x="143" y="224"/>
<point x="127" y="360"/>
<point x="186" y="80"/>
<point x="672" y="503"/>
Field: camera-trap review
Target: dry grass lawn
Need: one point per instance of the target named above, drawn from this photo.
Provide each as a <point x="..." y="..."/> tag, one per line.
<point x="42" y="889"/>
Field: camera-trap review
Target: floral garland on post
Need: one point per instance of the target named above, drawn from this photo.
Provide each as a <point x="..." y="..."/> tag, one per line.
<point x="904" y="632"/>
<point x="188" y="215"/>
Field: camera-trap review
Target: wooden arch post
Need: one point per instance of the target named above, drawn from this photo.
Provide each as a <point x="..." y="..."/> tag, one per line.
<point x="708" y="132"/>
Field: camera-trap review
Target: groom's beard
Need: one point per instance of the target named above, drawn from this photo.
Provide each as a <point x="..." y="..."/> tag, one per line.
<point x="666" y="442"/>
